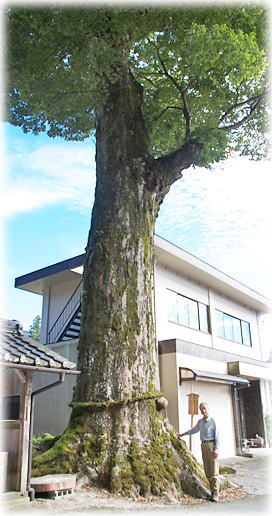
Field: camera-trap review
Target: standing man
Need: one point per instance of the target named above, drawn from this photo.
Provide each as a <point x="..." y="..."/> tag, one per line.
<point x="209" y="447"/>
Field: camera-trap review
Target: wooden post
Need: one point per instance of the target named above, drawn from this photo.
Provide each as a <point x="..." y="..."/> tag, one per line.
<point x="192" y="409"/>
<point x="26" y="405"/>
<point x="190" y="437"/>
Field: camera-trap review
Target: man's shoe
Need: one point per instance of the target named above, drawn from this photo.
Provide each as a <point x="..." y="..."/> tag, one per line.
<point x="215" y="497"/>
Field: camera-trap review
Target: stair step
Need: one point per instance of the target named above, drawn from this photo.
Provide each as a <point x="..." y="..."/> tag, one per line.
<point x="72" y="329"/>
<point x="72" y="333"/>
<point x="75" y="323"/>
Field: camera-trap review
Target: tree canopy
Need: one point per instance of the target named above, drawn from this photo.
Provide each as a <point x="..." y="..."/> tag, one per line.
<point x="35" y="328"/>
<point x="203" y="71"/>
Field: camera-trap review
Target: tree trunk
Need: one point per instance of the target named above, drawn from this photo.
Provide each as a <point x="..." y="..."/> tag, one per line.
<point x="117" y="348"/>
<point x="117" y="436"/>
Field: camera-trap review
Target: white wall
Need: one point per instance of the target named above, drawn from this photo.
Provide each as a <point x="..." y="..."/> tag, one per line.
<point x="168" y="385"/>
<point x="59" y="295"/>
<point x="45" y="315"/>
<point x="167" y="279"/>
<point x="52" y="409"/>
<point x="54" y="300"/>
<point x="266" y="397"/>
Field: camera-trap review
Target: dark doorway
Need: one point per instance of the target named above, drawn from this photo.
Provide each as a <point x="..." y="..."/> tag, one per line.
<point x="252" y="421"/>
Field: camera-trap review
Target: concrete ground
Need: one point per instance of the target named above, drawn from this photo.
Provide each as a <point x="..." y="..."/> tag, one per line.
<point x="252" y="493"/>
<point x="253" y="474"/>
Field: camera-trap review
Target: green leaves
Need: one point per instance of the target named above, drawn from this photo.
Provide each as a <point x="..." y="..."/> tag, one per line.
<point x="201" y="70"/>
<point x="35" y="328"/>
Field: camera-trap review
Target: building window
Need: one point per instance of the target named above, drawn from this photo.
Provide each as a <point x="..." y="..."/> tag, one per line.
<point x="188" y="312"/>
<point x="232" y="328"/>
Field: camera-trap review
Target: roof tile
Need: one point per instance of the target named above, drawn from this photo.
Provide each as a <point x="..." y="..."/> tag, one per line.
<point x="20" y="349"/>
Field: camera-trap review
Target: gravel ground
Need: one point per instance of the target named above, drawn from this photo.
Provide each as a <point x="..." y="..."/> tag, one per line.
<point x="250" y="480"/>
<point x="98" y="499"/>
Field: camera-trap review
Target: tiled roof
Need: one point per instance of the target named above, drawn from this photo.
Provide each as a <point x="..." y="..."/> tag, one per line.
<point x="18" y="349"/>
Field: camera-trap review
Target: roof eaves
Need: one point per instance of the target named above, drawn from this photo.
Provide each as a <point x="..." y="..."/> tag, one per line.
<point x="71" y="263"/>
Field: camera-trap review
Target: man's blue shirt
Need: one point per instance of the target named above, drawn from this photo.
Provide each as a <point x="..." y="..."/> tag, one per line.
<point x="208" y="431"/>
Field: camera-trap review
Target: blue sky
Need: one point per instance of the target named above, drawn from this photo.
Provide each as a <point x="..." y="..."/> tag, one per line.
<point x="222" y="215"/>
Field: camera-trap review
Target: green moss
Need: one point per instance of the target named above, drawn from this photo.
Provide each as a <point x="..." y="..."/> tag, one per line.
<point x="43" y="443"/>
<point x="113" y="403"/>
<point x="44" y="439"/>
<point x="61" y="457"/>
<point x="153" y="468"/>
<point x="227" y="470"/>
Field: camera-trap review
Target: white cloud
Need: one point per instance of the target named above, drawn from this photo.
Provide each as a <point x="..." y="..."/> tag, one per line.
<point x="224" y="217"/>
<point x="49" y="175"/>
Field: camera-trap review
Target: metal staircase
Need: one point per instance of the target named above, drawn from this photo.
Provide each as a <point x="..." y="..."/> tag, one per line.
<point x="67" y="325"/>
<point x="72" y="330"/>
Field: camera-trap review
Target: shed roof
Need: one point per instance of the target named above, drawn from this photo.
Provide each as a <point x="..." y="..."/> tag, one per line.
<point x="188" y="374"/>
<point x="20" y="351"/>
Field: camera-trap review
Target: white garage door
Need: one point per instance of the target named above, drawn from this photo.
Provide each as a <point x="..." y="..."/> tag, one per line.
<point x="218" y="397"/>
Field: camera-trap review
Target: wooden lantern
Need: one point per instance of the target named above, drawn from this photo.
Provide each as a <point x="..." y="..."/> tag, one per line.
<point x="193" y="403"/>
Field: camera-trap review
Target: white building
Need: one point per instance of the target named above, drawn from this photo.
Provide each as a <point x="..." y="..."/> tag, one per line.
<point x="210" y="344"/>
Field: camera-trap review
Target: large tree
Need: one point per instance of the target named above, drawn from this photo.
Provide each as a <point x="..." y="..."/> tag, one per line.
<point x="161" y="90"/>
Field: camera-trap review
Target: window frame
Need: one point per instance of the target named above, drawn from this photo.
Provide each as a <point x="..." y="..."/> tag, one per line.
<point x="199" y="317"/>
<point x="245" y="335"/>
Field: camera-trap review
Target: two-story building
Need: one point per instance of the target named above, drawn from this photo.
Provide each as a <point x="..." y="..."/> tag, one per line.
<point x="210" y="344"/>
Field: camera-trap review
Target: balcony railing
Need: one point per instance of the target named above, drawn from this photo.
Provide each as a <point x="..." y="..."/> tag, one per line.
<point x="66" y="315"/>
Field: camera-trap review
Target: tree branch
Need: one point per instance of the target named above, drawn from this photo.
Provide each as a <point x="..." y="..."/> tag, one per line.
<point x="164" y="171"/>
<point x="181" y="91"/>
<point x="186" y="116"/>
<point x="166" y="73"/>
<point x="164" y="110"/>
<point x="244" y="119"/>
<point x="243" y="103"/>
<point x="172" y="164"/>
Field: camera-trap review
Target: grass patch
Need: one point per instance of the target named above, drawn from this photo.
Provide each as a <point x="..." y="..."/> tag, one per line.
<point x="227" y="470"/>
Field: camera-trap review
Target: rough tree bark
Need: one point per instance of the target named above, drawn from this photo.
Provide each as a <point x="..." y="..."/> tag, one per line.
<point x="117" y="436"/>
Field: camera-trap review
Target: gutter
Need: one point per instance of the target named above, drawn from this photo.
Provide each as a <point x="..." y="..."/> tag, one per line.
<point x="37" y="368"/>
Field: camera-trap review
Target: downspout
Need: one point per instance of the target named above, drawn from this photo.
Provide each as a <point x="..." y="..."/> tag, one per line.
<point x="31" y="491"/>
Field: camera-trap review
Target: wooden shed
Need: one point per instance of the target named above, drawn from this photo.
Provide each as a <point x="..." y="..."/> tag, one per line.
<point x="20" y="360"/>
